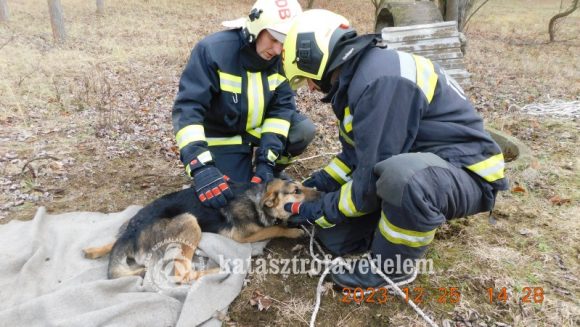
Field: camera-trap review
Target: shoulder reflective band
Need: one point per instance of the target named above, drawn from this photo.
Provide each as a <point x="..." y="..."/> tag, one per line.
<point x="344" y="135"/>
<point x="276" y="126"/>
<point x="490" y="169"/>
<point x="322" y="222"/>
<point x="406" y="237"/>
<point x="203" y="157"/>
<point x="230" y="83"/>
<point x="189" y="134"/>
<point x="419" y="71"/>
<point x="217" y="141"/>
<point x="347" y="121"/>
<point x="426" y="76"/>
<point x="345" y="203"/>
<point x="339" y="171"/>
<point x="407" y="66"/>
<point x="275" y="80"/>
<point x="255" y="100"/>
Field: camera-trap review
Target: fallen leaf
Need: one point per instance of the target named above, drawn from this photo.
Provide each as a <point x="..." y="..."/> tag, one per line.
<point x="560" y="262"/>
<point x="561" y="291"/>
<point x="262" y="301"/>
<point x="518" y="189"/>
<point x="297" y="248"/>
<point x="222" y="316"/>
<point x="447" y="323"/>
<point x="558" y="201"/>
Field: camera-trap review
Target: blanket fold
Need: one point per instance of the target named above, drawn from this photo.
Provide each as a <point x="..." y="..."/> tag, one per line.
<point x="46" y="281"/>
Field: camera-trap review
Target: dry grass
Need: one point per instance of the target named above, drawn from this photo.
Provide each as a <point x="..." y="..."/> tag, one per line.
<point x="86" y="126"/>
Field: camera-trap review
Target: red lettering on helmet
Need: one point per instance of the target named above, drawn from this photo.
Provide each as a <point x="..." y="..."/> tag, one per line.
<point x="284" y="13"/>
<point x="281" y="3"/>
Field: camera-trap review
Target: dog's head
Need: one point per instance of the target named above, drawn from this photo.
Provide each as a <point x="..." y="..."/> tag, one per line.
<point x="279" y="192"/>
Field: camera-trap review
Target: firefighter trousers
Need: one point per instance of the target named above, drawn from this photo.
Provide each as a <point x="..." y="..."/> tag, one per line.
<point x="235" y="161"/>
<point x="418" y="192"/>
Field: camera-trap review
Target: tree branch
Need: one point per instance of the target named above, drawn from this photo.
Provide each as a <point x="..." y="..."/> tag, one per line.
<point x="558" y="16"/>
<point x="473" y="13"/>
<point x="6" y="43"/>
<point x="9" y="40"/>
<point x="34" y="159"/>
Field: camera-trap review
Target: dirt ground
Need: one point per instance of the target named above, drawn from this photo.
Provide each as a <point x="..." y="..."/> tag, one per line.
<point x="86" y="126"/>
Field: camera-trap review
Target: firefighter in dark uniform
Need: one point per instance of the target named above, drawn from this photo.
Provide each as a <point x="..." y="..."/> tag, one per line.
<point x="414" y="150"/>
<point x="232" y="97"/>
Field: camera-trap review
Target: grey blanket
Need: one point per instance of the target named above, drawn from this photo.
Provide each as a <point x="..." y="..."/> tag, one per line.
<point x="46" y="281"/>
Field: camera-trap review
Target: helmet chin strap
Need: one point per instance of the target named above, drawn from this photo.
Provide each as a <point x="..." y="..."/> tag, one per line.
<point x="325" y="84"/>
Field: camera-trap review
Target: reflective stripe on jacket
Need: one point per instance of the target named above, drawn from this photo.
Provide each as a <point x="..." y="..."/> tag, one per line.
<point x="390" y="102"/>
<point x="227" y="91"/>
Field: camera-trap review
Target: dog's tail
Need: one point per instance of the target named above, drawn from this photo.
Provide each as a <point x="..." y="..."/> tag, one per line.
<point x="118" y="266"/>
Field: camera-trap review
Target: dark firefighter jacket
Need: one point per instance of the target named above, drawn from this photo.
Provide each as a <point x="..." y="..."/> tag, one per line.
<point x="387" y="103"/>
<point x="228" y="93"/>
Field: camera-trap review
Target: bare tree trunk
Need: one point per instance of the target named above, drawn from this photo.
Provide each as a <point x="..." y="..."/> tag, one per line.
<point x="310" y="4"/>
<point x="100" y="7"/>
<point x="56" y="20"/>
<point x="552" y="24"/>
<point x="462" y="7"/>
<point x="3" y="11"/>
<point x="451" y="10"/>
<point x="376" y="4"/>
<point x="442" y="4"/>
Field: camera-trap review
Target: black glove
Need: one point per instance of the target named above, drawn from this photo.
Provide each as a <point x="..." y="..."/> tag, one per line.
<point x="322" y="181"/>
<point x="310" y="182"/>
<point x="264" y="173"/>
<point x="307" y="213"/>
<point x="211" y="187"/>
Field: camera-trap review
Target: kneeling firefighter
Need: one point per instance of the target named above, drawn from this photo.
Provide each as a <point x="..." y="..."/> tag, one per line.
<point x="232" y="98"/>
<point x="414" y="150"/>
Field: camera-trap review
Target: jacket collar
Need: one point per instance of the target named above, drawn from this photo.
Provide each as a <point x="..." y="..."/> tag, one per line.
<point x="348" y="67"/>
<point x="338" y="94"/>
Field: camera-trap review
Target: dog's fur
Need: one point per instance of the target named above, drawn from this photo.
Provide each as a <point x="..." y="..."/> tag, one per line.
<point x="249" y="217"/>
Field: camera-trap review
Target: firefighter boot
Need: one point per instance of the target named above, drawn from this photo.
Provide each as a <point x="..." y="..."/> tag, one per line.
<point x="363" y="275"/>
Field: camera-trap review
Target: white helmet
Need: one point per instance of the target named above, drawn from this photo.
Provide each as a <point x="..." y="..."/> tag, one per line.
<point x="273" y="15"/>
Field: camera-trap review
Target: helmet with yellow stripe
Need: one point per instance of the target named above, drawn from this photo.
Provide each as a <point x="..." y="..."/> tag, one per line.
<point x="311" y="43"/>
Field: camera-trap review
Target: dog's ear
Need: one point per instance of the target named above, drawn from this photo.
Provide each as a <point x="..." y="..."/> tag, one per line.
<point x="270" y="199"/>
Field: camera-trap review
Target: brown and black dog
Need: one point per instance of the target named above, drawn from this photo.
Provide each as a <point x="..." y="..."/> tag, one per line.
<point x="250" y="217"/>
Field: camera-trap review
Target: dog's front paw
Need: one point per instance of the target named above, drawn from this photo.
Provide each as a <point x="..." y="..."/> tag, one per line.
<point x="294" y="233"/>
